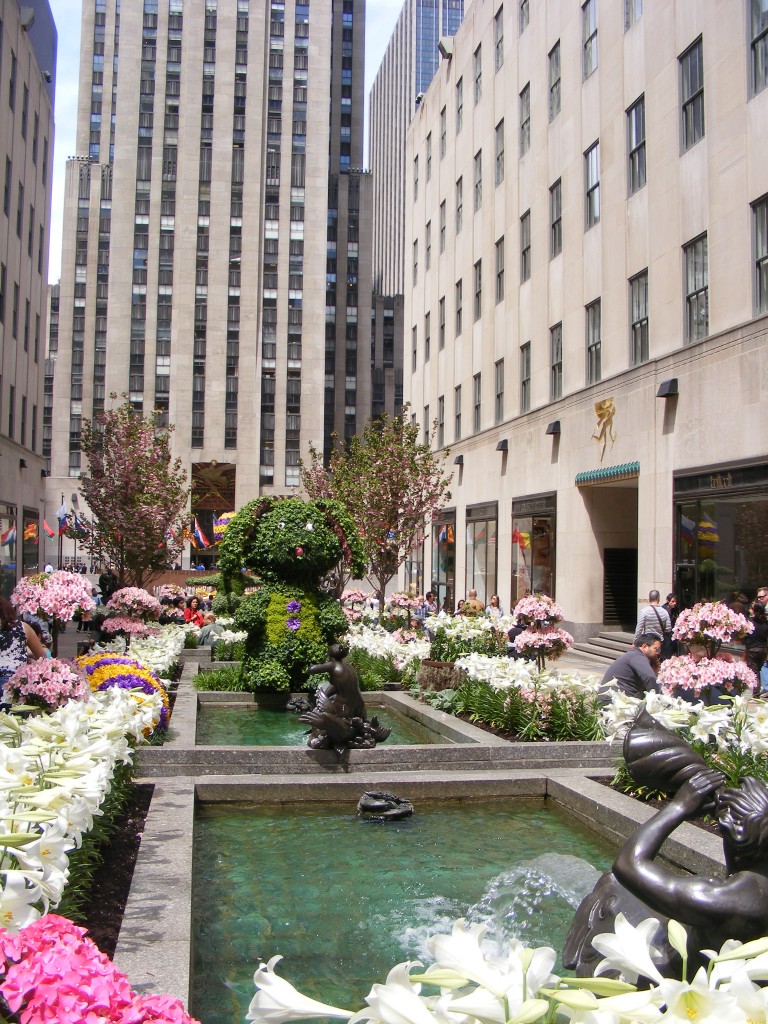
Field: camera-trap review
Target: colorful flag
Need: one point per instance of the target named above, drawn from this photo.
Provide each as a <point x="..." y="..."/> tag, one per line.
<point x="522" y="538"/>
<point x="79" y="525"/>
<point x="61" y="515"/>
<point x="30" y="532"/>
<point x="48" y="530"/>
<point x="9" y="537"/>
<point x="200" y="537"/>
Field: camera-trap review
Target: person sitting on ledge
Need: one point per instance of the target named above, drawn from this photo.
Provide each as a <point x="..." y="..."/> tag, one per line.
<point x="210" y="630"/>
<point x="632" y="672"/>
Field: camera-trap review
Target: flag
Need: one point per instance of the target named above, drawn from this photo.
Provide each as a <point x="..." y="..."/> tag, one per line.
<point x="9" y="537"/>
<point x="442" y="537"/>
<point x="200" y="537"/>
<point x="79" y="524"/>
<point x="522" y="538"/>
<point x="61" y="515"/>
<point x="48" y="530"/>
<point x="30" y="532"/>
<point x="63" y="525"/>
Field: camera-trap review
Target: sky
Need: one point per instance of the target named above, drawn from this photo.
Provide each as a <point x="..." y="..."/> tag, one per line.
<point x="381" y="16"/>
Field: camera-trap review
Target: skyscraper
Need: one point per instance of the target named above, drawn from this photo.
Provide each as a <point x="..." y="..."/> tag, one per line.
<point x="408" y="66"/>
<point x="217" y="151"/>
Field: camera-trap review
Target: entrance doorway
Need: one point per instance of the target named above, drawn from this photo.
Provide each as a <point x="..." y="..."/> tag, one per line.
<point x="620" y="587"/>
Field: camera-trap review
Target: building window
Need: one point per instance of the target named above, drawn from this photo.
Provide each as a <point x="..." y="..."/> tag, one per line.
<point x="415" y="178"/>
<point x="696" y="289"/>
<point x="425" y="440"/>
<point x="638" y="304"/>
<point x="592" y="185"/>
<point x="554" y="81"/>
<point x="441" y="323"/>
<point x="760" y="210"/>
<point x="443" y="131"/>
<point x="441" y="421"/>
<point x="555" y="220"/>
<point x="414" y="347"/>
<point x="427" y="336"/>
<point x="692" y="95"/>
<point x="636" y="145"/>
<point x="478" y="279"/>
<point x="593" y="342"/>
<point x="500" y="270"/>
<point x="416" y="261"/>
<point x="478" y="71"/>
<point x="478" y="194"/>
<point x="633" y="10"/>
<point x="524" y="16"/>
<point x="589" y="37"/>
<point x="500" y="152"/>
<point x="498" y="401"/>
<point x="759" y="46"/>
<point x="459" y="203"/>
<point x="429" y="156"/>
<point x="556" y="362"/>
<point x="458" y="307"/>
<point x="477" y="395"/>
<point x="457" y="413"/>
<point x="498" y="38"/>
<point x="442" y="226"/>
<point x="525" y="377"/>
<point x="428" y="245"/>
<point x="459" y="104"/>
<point x="525" y="246"/>
<point x="525" y="120"/>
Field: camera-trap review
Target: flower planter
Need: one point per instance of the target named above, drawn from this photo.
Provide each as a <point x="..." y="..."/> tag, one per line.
<point x="439" y="675"/>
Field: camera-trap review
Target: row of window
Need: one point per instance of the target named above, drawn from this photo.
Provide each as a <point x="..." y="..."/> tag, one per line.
<point x="696" y="298"/>
<point x="24" y="420"/>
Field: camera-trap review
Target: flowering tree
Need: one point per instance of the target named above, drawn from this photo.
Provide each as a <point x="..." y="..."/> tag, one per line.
<point x="541" y="638"/>
<point x="137" y="494"/>
<point x="392" y="485"/>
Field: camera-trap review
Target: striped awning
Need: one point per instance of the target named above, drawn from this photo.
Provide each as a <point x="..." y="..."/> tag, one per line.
<point x="607" y="474"/>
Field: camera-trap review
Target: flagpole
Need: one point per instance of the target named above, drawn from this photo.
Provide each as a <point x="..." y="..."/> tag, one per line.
<point x="61" y="541"/>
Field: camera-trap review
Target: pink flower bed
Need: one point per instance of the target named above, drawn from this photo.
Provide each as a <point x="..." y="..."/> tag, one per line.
<point x="685" y="673"/>
<point x="55" y="596"/>
<point x="47" y="682"/>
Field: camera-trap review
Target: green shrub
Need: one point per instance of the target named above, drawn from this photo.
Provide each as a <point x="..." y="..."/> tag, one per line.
<point x="229" y="678"/>
<point x="448" y="645"/>
<point x="228" y="650"/>
<point x="373" y="670"/>
<point x="190" y="641"/>
<point x="557" y="713"/>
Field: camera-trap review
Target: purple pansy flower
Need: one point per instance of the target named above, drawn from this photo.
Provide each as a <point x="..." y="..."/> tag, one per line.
<point x="293" y="624"/>
<point x="293" y="607"/>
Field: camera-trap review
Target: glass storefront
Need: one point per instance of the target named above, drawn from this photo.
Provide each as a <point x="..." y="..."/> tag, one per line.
<point x="8" y="548"/>
<point x="533" y="546"/>
<point x="414" y="568"/>
<point x="30" y="547"/>
<point x="481" y="550"/>
<point x="444" y="560"/>
<point x="721" y="533"/>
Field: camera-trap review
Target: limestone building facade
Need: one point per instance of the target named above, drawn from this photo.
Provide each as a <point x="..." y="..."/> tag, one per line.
<point x="27" y="90"/>
<point x="215" y="261"/>
<point x="586" y="304"/>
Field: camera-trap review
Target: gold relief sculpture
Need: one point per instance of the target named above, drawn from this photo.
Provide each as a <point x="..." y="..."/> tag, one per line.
<point x="605" y="411"/>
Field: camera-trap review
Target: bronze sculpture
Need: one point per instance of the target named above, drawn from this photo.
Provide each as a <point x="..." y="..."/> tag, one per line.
<point x="378" y="805"/>
<point x="712" y="909"/>
<point x="338" y="719"/>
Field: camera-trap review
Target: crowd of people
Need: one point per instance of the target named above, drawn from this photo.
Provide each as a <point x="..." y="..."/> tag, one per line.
<point x="635" y="671"/>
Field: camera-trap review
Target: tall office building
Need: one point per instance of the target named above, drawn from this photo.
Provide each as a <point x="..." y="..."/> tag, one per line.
<point x="408" y="67"/>
<point x="214" y="232"/>
<point x="587" y="302"/>
<point x="27" y="89"/>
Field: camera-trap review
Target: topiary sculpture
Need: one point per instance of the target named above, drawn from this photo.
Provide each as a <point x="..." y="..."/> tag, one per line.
<point x="290" y="545"/>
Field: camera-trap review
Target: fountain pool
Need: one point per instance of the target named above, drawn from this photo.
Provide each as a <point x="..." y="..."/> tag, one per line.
<point x="344" y="899"/>
<point x="251" y="725"/>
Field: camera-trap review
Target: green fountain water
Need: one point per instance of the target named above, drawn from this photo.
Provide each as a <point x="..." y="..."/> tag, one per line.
<point x="265" y="727"/>
<point x="343" y="899"/>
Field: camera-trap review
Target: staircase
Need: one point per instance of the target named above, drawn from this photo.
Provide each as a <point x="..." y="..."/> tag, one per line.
<point x="605" y="647"/>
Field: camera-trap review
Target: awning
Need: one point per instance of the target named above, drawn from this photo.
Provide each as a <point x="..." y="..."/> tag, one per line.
<point x="608" y="474"/>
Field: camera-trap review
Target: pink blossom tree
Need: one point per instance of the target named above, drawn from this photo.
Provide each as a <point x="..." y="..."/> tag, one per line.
<point x="391" y="483"/>
<point x="136" y="491"/>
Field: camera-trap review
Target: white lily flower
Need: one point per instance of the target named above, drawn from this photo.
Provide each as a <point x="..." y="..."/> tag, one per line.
<point x="17" y="899"/>
<point x="698" y="1002"/>
<point x="277" y="1001"/>
<point x="628" y="949"/>
<point x="398" y="1001"/>
<point x="461" y="952"/>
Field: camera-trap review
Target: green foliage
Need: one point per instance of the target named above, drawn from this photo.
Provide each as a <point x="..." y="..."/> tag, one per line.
<point x="229" y="678"/>
<point x="225" y="604"/>
<point x="190" y="641"/>
<point x="448" y="645"/>
<point x="374" y="671"/>
<point x="440" y="700"/>
<point x="532" y="714"/>
<point x="228" y="650"/>
<point x="85" y="861"/>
